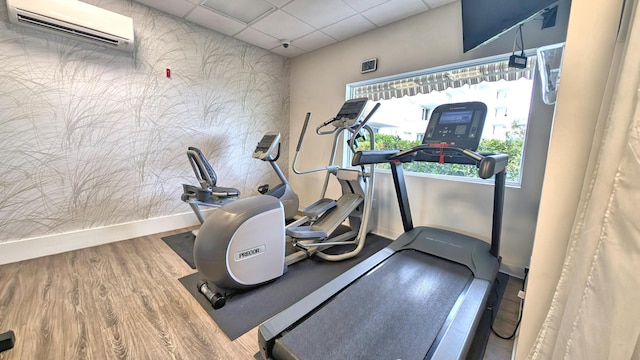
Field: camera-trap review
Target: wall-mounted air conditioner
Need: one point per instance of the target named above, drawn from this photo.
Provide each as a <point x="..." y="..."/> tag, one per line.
<point x="75" y="19"/>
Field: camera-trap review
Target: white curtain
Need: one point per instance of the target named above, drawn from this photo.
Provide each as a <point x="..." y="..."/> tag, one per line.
<point x="595" y="312"/>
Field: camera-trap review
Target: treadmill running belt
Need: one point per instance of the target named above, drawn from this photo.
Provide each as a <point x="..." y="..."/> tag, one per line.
<point x="393" y="312"/>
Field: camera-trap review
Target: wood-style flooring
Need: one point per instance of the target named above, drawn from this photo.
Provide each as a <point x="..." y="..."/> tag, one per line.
<point x="124" y="301"/>
<point x="505" y="323"/>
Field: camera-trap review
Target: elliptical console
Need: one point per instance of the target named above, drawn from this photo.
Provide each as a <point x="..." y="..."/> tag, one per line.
<point x="351" y="112"/>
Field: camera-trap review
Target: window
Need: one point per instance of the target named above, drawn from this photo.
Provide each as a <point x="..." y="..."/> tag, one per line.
<point x="407" y="101"/>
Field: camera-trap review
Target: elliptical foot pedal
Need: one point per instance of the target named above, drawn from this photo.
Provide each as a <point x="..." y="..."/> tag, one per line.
<point x="319" y="207"/>
<point x="306" y="232"/>
<point x="217" y="300"/>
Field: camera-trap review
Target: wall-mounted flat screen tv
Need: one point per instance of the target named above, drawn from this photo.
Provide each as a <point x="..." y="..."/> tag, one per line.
<point x="485" y="20"/>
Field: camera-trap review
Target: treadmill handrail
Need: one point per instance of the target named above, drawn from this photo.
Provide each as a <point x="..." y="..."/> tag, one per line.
<point x="367" y="157"/>
<point x="488" y="164"/>
<point x="492" y="164"/>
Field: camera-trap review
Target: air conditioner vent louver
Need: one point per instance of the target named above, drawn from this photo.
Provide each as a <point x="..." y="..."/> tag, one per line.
<point x="75" y="19"/>
<point x="67" y="30"/>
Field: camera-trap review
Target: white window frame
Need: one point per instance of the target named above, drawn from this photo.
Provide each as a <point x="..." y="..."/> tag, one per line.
<point x="351" y="93"/>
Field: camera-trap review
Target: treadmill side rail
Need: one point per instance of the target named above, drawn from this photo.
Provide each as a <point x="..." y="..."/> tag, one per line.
<point x="458" y="336"/>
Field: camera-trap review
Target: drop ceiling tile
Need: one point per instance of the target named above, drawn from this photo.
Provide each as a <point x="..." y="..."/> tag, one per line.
<point x="178" y="8"/>
<point x="348" y="27"/>
<point x="319" y="13"/>
<point x="215" y="21"/>
<point x="281" y="25"/>
<point x="362" y="5"/>
<point x="394" y="10"/>
<point x="278" y="3"/>
<point x="255" y="37"/>
<point x="298" y="20"/>
<point x="245" y="11"/>
<point x="313" y="41"/>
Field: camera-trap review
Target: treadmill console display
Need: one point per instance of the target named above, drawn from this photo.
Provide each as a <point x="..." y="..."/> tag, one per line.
<point x="456" y="125"/>
<point x="351" y="111"/>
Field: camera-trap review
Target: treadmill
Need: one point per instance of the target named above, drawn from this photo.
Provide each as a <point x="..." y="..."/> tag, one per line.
<point x="422" y="296"/>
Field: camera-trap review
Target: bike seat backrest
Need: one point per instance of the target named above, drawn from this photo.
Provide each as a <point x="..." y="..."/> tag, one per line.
<point x="201" y="165"/>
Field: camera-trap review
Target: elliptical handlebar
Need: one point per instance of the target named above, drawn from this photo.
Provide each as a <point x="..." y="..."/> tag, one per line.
<point x="295" y="158"/>
<point x="351" y="141"/>
<point x="347" y="117"/>
<point x="328" y="122"/>
<point x="304" y="130"/>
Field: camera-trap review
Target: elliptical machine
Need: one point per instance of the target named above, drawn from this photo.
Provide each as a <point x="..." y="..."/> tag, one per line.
<point x="243" y="243"/>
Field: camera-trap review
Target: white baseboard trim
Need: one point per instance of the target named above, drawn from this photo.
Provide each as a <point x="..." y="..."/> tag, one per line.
<point x="25" y="249"/>
<point x="512" y="270"/>
<point x="386" y="233"/>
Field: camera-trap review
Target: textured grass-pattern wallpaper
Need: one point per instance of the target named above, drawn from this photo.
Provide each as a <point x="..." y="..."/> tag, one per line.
<point x="91" y="137"/>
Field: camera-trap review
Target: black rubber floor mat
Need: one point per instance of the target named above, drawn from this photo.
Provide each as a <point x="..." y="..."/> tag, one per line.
<point x="249" y="309"/>
<point x="182" y="244"/>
